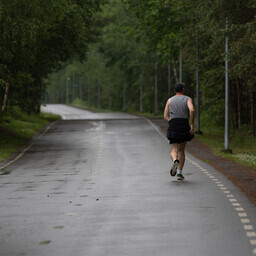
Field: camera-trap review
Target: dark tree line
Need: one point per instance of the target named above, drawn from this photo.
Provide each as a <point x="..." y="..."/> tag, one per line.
<point x="36" y="38"/>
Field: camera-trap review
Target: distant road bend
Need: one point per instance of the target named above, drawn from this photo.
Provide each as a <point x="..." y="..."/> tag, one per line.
<point x="98" y="184"/>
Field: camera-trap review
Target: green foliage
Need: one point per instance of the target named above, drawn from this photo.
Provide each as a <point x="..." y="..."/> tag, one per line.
<point x="242" y="142"/>
<point x="133" y="36"/>
<point x="35" y="38"/>
<point x="18" y="127"/>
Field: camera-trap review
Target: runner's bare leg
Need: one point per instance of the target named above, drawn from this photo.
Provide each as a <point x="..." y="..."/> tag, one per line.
<point x="174" y="151"/>
<point x="181" y="153"/>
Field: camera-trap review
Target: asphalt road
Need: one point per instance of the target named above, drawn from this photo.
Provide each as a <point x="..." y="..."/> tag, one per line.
<point x="101" y="186"/>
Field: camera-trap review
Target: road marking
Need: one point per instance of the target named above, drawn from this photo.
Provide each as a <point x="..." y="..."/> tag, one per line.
<point x="240" y="210"/>
<point x="17" y="158"/>
<point x="242" y="214"/>
<point x="157" y="129"/>
<point x="248" y="227"/>
<point x="47" y="129"/>
<point x="245" y="220"/>
<point x="26" y="149"/>
<point x="251" y="234"/>
<point x="253" y="242"/>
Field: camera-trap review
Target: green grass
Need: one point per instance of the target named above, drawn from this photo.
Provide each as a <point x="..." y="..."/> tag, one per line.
<point x="241" y="142"/>
<point x="18" y="127"/>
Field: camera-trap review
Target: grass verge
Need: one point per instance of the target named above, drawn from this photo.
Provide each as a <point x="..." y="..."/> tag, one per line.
<point x="18" y="127"/>
<point x="241" y="142"/>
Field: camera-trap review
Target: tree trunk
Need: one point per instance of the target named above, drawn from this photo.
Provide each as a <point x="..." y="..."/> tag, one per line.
<point x="5" y="98"/>
<point x="247" y="94"/>
<point x="252" y="103"/>
<point x="234" y="104"/>
<point x="238" y="104"/>
<point x="175" y="71"/>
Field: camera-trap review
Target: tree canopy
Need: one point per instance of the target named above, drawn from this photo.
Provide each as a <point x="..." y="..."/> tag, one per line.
<point x="127" y="54"/>
<point x="36" y="38"/>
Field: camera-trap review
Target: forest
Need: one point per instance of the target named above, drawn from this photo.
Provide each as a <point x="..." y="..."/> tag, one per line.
<point x="126" y="55"/>
<point x="38" y="38"/>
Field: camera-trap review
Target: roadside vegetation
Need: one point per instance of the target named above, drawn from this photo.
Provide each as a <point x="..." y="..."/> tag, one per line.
<point x="242" y="142"/>
<point x="135" y="62"/>
<point x="125" y="55"/>
<point x="18" y="128"/>
<point x="36" y="39"/>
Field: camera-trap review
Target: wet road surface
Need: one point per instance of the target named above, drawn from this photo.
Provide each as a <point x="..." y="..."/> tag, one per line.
<point x="101" y="186"/>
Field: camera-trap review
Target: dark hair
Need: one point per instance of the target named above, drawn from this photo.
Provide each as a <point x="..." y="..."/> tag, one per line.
<point x="179" y="87"/>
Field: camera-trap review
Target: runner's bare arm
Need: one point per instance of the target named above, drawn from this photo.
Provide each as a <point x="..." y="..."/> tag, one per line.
<point x="191" y="114"/>
<point x="167" y="111"/>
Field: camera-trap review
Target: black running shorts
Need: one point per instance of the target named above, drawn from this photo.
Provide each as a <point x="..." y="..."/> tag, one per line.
<point x="178" y="130"/>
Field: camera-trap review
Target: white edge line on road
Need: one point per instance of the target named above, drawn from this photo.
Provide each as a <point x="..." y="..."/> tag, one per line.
<point x="26" y="149"/>
<point x="240" y="210"/>
<point x="157" y="129"/>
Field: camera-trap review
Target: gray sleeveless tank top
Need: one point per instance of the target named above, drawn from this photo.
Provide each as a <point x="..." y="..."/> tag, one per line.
<point x="179" y="107"/>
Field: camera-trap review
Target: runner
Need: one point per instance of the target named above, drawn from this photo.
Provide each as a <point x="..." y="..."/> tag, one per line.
<point x="178" y="110"/>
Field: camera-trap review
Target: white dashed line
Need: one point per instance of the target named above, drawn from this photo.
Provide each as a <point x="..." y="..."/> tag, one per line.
<point x="251" y="234"/>
<point x="239" y="209"/>
<point x="237" y="206"/>
<point x="253" y="242"/>
<point x="245" y="220"/>
<point x="248" y="227"/>
<point x="242" y="214"/>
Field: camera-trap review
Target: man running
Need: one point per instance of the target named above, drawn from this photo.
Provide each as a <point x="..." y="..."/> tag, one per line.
<point x="177" y="112"/>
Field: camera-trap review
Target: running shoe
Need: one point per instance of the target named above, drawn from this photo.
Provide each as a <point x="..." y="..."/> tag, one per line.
<point x="180" y="177"/>
<point x="174" y="167"/>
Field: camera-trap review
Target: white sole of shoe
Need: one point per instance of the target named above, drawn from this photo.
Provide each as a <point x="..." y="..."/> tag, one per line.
<point x="174" y="169"/>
